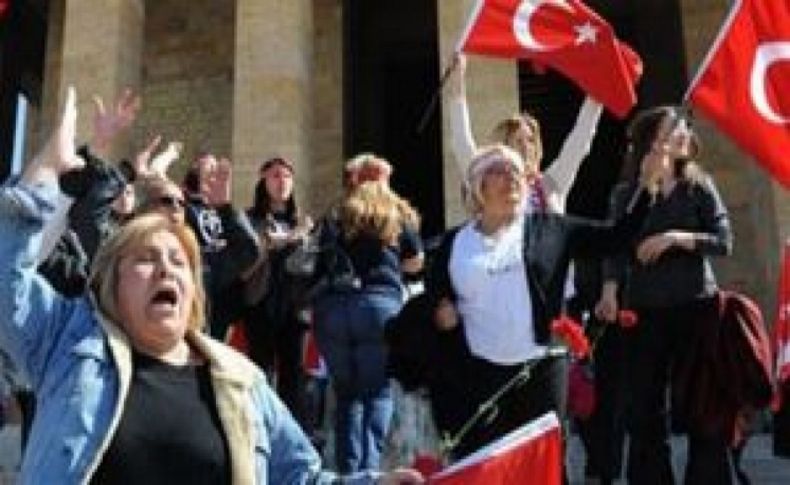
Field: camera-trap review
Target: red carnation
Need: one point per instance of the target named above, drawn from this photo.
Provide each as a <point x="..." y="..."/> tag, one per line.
<point x="581" y="391"/>
<point x="427" y="465"/>
<point x="627" y="318"/>
<point x="572" y="334"/>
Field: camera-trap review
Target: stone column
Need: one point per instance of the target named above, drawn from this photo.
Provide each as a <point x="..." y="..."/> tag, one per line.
<point x="492" y="92"/>
<point x="327" y="103"/>
<point x="97" y="47"/>
<point x="272" y="105"/>
<point x="759" y="208"/>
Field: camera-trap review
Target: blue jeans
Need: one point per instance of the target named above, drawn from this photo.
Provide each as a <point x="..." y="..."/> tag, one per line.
<point x="349" y="328"/>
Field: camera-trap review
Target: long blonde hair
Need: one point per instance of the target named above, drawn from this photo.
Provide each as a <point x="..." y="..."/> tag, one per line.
<point x="372" y="209"/>
<point x="505" y="131"/>
<point x="103" y="281"/>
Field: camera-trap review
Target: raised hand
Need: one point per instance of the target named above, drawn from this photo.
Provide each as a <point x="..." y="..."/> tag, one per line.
<point x="162" y="162"/>
<point x="218" y="183"/>
<point x="143" y="157"/>
<point x="108" y="124"/>
<point x="59" y="154"/>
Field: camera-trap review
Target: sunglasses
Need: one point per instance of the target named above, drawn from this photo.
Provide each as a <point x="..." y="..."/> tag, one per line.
<point x="171" y="202"/>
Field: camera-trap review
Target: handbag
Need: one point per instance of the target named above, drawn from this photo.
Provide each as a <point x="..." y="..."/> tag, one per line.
<point x="303" y="260"/>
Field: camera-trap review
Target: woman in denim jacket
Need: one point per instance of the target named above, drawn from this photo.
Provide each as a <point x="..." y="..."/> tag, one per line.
<point x="130" y="390"/>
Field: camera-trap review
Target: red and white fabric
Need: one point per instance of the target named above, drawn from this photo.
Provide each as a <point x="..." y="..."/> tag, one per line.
<point x="742" y="84"/>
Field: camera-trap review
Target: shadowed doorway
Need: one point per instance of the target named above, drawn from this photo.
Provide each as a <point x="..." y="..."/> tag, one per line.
<point x="391" y="71"/>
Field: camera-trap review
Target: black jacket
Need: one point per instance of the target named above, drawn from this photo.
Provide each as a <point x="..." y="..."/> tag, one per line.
<point x="228" y="245"/>
<point x="550" y="242"/>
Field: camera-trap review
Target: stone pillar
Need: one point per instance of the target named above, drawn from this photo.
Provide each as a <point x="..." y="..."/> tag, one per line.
<point x="327" y="103"/>
<point x="759" y="209"/>
<point x="272" y="105"/>
<point x="97" y="47"/>
<point x="492" y="91"/>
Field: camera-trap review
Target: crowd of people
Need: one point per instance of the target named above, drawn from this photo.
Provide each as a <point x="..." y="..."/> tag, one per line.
<point x="120" y="287"/>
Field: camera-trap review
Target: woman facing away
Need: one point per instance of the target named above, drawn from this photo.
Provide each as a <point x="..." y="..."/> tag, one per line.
<point x="666" y="276"/>
<point x="548" y="190"/>
<point x="374" y="238"/>
<point x="130" y="389"/>
<point x="497" y="283"/>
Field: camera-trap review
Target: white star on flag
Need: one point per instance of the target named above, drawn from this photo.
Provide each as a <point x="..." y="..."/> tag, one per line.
<point x="586" y="33"/>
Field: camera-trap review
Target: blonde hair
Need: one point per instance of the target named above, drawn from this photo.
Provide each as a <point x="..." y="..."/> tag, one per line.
<point x="476" y="172"/>
<point x="373" y="209"/>
<point x="103" y="282"/>
<point x="505" y="131"/>
<point x="366" y="167"/>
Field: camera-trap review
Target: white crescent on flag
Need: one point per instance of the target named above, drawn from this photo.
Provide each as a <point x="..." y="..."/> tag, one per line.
<point x="766" y="55"/>
<point x="523" y="18"/>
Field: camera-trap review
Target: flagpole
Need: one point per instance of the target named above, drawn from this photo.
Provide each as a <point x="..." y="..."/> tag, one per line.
<point x="715" y="47"/>
<point x="426" y="115"/>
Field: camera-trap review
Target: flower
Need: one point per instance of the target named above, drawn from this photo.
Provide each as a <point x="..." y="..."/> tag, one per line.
<point x="582" y="398"/>
<point x="572" y="334"/>
<point x="627" y="318"/>
<point x="427" y="464"/>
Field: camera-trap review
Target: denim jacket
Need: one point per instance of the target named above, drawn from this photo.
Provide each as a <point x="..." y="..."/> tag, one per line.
<point x="79" y="364"/>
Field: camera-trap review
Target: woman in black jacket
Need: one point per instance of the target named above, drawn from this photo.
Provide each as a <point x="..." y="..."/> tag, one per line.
<point x="667" y="277"/>
<point x="497" y="284"/>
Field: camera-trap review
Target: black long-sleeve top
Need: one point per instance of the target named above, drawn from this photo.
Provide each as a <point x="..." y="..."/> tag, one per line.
<point x="678" y="275"/>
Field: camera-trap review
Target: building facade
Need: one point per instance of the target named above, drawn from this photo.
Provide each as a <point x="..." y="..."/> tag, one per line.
<point x="319" y="80"/>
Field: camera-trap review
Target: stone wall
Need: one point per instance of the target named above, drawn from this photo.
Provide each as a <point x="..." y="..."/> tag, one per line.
<point x="187" y="76"/>
<point x="273" y="90"/>
<point x="327" y="103"/>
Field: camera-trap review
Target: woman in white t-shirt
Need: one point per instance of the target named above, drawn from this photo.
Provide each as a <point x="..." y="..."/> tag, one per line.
<point x="497" y="282"/>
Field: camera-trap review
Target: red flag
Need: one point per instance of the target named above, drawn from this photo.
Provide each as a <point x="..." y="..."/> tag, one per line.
<point x="565" y="35"/>
<point x="4" y="4"/>
<point x="534" y="451"/>
<point x="742" y="85"/>
<point x="782" y="323"/>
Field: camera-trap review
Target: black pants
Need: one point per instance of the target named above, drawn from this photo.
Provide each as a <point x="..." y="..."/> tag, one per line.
<point x="660" y="341"/>
<point x="603" y="433"/>
<point x="277" y="349"/>
<point x="544" y="391"/>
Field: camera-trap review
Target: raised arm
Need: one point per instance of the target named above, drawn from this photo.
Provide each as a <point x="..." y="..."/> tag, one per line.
<point x="461" y="138"/>
<point x="34" y="315"/>
<point x="559" y="176"/>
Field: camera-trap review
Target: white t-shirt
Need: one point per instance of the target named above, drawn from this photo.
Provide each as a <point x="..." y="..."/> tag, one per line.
<point x="489" y="278"/>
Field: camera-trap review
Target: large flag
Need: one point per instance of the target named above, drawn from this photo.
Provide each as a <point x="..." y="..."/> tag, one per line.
<point x="782" y="323"/>
<point x="565" y="35"/>
<point x="532" y="452"/>
<point x="742" y="85"/>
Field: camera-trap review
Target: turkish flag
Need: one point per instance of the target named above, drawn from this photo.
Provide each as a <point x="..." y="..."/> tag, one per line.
<point x="565" y="35"/>
<point x="782" y="323"/>
<point x="532" y="452"/>
<point x="743" y="84"/>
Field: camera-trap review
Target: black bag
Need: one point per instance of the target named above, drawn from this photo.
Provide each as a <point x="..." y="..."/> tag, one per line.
<point x="321" y="264"/>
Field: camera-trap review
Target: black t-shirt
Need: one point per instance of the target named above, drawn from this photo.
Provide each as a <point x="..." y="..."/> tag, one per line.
<point x="170" y="432"/>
